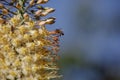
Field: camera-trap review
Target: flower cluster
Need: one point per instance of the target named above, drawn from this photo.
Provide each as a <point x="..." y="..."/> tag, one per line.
<point x="32" y="8"/>
<point x="27" y="49"/>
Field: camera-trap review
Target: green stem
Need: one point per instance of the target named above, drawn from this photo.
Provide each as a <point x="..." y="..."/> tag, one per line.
<point x="21" y="11"/>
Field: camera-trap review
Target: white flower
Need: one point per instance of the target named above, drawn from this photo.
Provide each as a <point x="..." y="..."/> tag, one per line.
<point x="16" y="42"/>
<point x="34" y="34"/>
<point x="35" y="68"/>
<point x="22" y="50"/>
<point x="31" y="45"/>
<point x="40" y="31"/>
<point x="27" y="37"/>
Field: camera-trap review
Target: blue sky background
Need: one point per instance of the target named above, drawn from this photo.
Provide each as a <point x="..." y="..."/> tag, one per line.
<point x="90" y="48"/>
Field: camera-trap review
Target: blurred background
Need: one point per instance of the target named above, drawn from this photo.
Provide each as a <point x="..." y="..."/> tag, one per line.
<point x="90" y="48"/>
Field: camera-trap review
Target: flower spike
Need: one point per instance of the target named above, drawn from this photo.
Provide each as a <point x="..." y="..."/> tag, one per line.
<point x="27" y="48"/>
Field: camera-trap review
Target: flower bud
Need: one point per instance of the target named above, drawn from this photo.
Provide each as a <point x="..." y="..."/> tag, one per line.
<point x="50" y="20"/>
<point x="26" y="16"/>
<point x="18" y="6"/>
<point x="1" y="5"/>
<point x="31" y="2"/>
<point x="2" y="21"/>
<point x="42" y="1"/>
<point x="39" y="1"/>
<point x="38" y="13"/>
<point x="42" y="23"/>
<point x="5" y="11"/>
<point x="47" y="11"/>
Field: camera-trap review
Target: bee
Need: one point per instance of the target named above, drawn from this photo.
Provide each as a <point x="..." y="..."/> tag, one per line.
<point x="59" y="31"/>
